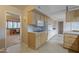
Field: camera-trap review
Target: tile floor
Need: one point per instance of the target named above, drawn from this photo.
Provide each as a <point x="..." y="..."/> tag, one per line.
<point x="12" y="40"/>
<point x="54" y="45"/>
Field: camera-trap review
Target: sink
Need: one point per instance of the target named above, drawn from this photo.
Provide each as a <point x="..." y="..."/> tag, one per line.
<point x="38" y="30"/>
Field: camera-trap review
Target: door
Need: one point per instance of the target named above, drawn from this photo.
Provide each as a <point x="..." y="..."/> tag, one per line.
<point x="60" y="27"/>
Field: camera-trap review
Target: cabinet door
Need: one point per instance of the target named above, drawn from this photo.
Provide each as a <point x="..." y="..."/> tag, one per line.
<point x="31" y="17"/>
<point x="71" y="17"/>
<point x="45" y="38"/>
<point x="37" y="16"/>
<point x="76" y="15"/>
<point x="31" y="40"/>
<point x="75" y="45"/>
<point x="71" y="42"/>
<point x="37" y="40"/>
<point x="43" y="18"/>
<point x="42" y="38"/>
<point x="34" y="19"/>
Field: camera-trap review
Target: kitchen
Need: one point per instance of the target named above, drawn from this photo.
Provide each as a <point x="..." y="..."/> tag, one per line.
<point x="71" y="31"/>
<point x="40" y="32"/>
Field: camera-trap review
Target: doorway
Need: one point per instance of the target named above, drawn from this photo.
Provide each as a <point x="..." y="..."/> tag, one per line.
<point x="13" y="30"/>
<point x="60" y="27"/>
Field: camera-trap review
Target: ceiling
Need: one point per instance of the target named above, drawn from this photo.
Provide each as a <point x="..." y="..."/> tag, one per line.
<point x="51" y="9"/>
<point x="21" y="7"/>
<point x="57" y="12"/>
<point x="54" y="11"/>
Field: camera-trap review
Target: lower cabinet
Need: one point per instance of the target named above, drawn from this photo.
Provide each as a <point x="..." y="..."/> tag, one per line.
<point x="71" y="41"/>
<point x="35" y="40"/>
<point x="31" y="40"/>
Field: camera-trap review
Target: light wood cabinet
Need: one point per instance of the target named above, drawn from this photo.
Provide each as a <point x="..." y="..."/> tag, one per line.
<point x="76" y="15"/>
<point x="31" y="17"/>
<point x="31" y="40"/>
<point x="35" y="40"/>
<point x="72" y="16"/>
<point x="43" y="37"/>
<point x="71" y="41"/>
<point x="34" y="16"/>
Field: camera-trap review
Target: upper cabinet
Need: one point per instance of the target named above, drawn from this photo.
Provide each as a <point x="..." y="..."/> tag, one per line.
<point x="72" y="16"/>
<point x="36" y="17"/>
<point x="76" y="15"/>
<point x="31" y="17"/>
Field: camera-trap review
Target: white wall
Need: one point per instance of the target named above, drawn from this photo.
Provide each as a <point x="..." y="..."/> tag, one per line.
<point x="2" y="33"/>
<point x="52" y="32"/>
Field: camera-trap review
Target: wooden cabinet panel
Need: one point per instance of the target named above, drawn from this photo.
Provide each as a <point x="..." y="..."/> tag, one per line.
<point x="71" y="42"/>
<point x="31" y="17"/>
<point x="35" y="40"/>
<point x="70" y="36"/>
<point x="43" y="38"/>
<point x="72" y="16"/>
<point x="38" y="40"/>
<point x="76" y="13"/>
<point x="31" y="40"/>
<point x="34" y="16"/>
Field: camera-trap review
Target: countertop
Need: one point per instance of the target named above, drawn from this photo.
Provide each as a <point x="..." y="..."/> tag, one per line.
<point x="72" y="32"/>
<point x="37" y="32"/>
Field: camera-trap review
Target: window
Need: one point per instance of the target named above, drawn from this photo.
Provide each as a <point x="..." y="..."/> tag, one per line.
<point x="75" y="25"/>
<point x="71" y="26"/>
<point x="13" y="25"/>
<point x="18" y="25"/>
<point x="67" y="26"/>
<point x="9" y="24"/>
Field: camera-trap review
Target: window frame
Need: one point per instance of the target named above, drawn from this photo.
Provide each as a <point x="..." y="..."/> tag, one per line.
<point x="12" y="24"/>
